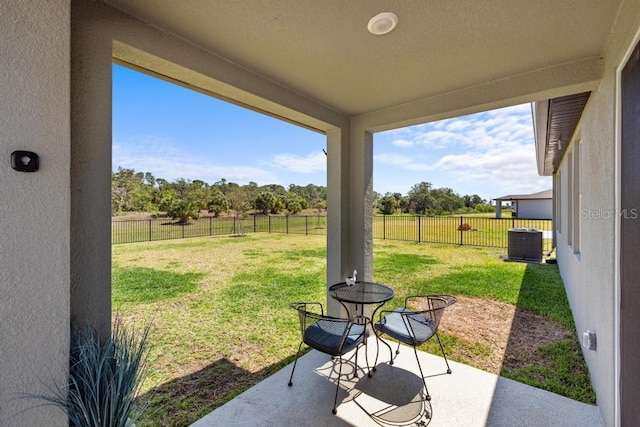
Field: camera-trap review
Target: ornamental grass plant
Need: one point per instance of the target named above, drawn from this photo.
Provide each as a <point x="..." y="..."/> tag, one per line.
<point x="105" y="375"/>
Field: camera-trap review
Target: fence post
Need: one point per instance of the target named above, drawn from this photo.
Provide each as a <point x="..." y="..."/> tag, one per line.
<point x="513" y="222"/>
<point x="182" y="226"/>
<point x="384" y="227"/>
<point x="149" y="230"/>
<point x="210" y="229"/>
<point x="306" y="225"/>
<point x="286" y="224"/>
<point x="269" y="223"/>
<point x="419" y="229"/>
<point x="461" y="231"/>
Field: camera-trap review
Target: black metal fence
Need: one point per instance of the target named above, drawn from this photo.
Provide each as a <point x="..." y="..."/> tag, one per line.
<point x="129" y="231"/>
<point x="459" y="230"/>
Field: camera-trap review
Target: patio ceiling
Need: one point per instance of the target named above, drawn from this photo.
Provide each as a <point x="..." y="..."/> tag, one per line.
<point x="323" y="51"/>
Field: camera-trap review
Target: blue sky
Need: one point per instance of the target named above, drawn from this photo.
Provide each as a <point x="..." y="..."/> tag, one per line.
<point x="174" y="132"/>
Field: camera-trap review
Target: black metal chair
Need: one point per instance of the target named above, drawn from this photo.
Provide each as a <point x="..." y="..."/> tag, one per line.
<point x="329" y="335"/>
<point x="415" y="327"/>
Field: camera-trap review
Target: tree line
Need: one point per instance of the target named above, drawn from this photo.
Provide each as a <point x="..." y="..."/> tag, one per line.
<point x="423" y="199"/>
<point x="183" y="199"/>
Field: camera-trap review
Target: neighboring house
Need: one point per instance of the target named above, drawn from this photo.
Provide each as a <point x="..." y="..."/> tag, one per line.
<point x="528" y="206"/>
<point x="314" y="64"/>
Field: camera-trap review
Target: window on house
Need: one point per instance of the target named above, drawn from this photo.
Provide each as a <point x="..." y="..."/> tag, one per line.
<point x="569" y="198"/>
<point x="559" y="203"/>
<point x="576" y="202"/>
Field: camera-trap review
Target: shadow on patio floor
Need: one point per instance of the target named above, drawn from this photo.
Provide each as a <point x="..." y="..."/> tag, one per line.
<point x="468" y="397"/>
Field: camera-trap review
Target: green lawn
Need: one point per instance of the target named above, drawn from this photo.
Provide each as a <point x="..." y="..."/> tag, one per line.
<point x="221" y="322"/>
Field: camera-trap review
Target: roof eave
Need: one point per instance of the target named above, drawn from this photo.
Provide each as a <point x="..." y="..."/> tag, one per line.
<point x="555" y="123"/>
<point x="540" y="113"/>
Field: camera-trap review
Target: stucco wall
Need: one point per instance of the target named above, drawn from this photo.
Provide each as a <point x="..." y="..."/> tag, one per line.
<point x="34" y="254"/>
<point x="535" y="209"/>
<point x="589" y="276"/>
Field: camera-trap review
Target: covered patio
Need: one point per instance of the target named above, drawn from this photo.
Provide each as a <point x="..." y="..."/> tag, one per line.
<point x="392" y="397"/>
<point x="316" y="65"/>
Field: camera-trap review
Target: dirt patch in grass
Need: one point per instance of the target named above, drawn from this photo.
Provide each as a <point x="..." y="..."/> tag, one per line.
<point x="512" y="333"/>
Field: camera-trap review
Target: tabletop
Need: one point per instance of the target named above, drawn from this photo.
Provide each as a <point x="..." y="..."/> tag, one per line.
<point x="361" y="292"/>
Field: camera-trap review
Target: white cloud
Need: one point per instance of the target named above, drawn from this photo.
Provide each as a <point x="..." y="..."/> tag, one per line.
<point x="437" y="139"/>
<point x="400" y="161"/>
<point x="393" y="159"/>
<point x="458" y="125"/>
<point x="438" y="125"/>
<point x="482" y="131"/>
<point x="493" y="161"/>
<point x="503" y="170"/>
<point x="312" y="163"/>
<point x="402" y="143"/>
<point x="489" y="153"/>
<point x="166" y="159"/>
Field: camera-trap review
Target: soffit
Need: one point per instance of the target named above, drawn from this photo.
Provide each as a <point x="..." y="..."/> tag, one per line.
<point x="322" y="50"/>
<point x="563" y="116"/>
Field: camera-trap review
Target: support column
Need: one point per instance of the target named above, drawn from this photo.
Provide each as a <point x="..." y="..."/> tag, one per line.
<point x="91" y="62"/>
<point x="349" y="207"/>
<point x="361" y="202"/>
<point x="338" y="259"/>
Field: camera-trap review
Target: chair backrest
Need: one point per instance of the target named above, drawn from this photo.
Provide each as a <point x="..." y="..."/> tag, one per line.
<point x="308" y="314"/>
<point x="431" y="306"/>
<point x="328" y="334"/>
<point x="437" y="304"/>
<point x="311" y="313"/>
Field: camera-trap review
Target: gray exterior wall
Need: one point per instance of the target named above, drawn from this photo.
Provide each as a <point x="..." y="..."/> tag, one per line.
<point x="35" y="208"/>
<point x="589" y="270"/>
<point x="535" y="209"/>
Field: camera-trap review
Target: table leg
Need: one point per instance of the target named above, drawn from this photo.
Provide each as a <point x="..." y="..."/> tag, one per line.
<point x="378" y="339"/>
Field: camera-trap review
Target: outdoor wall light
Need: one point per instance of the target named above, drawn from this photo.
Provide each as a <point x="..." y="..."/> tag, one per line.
<point x="382" y="23"/>
<point x="24" y="161"/>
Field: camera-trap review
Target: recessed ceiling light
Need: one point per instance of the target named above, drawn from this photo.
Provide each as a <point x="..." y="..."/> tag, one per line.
<point x="382" y="23"/>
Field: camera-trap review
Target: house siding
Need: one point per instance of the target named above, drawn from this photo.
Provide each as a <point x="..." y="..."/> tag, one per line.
<point x="34" y="253"/>
<point x="535" y="209"/>
<point x="589" y="275"/>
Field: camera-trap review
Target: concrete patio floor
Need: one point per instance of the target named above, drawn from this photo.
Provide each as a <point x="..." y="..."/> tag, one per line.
<point x="392" y="397"/>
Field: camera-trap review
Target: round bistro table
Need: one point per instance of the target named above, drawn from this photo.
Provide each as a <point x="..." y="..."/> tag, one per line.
<point x="360" y="294"/>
